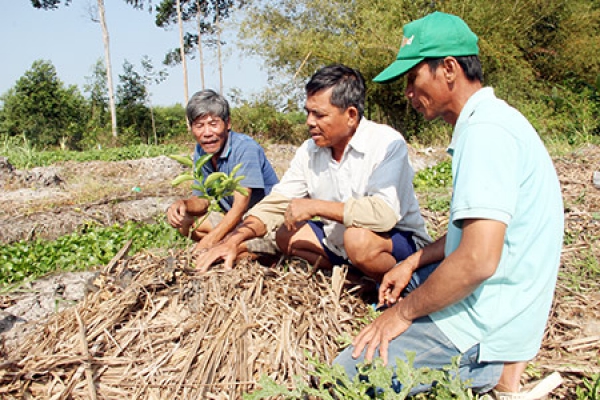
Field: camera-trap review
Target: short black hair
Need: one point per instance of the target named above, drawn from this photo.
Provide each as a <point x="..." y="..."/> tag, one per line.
<point x="471" y="65"/>
<point x="348" y="86"/>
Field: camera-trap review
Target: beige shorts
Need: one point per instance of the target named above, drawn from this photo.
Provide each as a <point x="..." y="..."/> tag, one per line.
<point x="215" y="218"/>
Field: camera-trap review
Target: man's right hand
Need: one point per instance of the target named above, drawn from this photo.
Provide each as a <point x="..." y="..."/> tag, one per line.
<point x="177" y="213"/>
<point x="226" y="251"/>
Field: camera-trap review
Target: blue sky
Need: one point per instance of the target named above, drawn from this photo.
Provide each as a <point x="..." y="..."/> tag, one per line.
<point x="73" y="43"/>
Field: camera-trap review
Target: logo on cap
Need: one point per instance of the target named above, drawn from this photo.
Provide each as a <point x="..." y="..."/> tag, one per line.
<point x="406" y="41"/>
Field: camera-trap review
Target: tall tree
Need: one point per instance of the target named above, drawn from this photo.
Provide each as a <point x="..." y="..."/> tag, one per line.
<point x="524" y="44"/>
<point x="52" y="5"/>
<point x="209" y="15"/>
<point x="132" y="95"/>
<point x="199" y="25"/>
<point x="109" y="79"/>
<point x="219" y="43"/>
<point x="182" y="52"/>
<point x="219" y="11"/>
<point x="151" y="76"/>
<point x="170" y="12"/>
<point x="97" y="90"/>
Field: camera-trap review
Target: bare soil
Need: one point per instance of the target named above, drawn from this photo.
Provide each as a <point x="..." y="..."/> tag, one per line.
<point x="53" y="201"/>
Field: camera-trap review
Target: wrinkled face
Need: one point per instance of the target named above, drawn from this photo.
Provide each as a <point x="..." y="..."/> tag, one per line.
<point x="328" y="125"/>
<point x="428" y="91"/>
<point x="211" y="132"/>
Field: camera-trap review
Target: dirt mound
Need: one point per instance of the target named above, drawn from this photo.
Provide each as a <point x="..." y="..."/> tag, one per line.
<point x="40" y="177"/>
<point x="53" y="201"/>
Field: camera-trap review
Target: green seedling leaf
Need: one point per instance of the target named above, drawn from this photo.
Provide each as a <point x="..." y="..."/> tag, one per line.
<point x="187" y="161"/>
<point x="186" y="176"/>
<point x="235" y="170"/>
<point x="200" y="187"/>
<point x="199" y="164"/>
<point x="213" y="178"/>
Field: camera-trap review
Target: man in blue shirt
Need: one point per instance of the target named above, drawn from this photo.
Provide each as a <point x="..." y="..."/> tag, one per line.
<point x="210" y="122"/>
<point x="483" y="291"/>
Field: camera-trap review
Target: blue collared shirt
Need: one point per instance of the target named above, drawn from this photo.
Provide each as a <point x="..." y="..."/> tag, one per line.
<point x="259" y="174"/>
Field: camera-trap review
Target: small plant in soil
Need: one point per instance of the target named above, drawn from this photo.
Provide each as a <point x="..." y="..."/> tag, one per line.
<point x="217" y="185"/>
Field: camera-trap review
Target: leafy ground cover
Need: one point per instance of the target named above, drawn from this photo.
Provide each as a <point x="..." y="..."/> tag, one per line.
<point x="91" y="246"/>
<point x="23" y="156"/>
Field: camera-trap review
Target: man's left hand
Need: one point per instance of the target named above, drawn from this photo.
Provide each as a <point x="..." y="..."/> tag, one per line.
<point x="380" y="332"/>
<point x="297" y="211"/>
<point x="223" y="251"/>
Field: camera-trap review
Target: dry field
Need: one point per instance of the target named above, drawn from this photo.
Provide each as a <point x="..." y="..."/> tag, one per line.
<point x="146" y="326"/>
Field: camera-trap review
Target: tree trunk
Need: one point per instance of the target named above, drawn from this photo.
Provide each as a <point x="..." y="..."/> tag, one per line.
<point x="111" y="92"/>
<point x="152" y="119"/>
<point x="182" y="52"/>
<point x="218" y="24"/>
<point x="200" y="55"/>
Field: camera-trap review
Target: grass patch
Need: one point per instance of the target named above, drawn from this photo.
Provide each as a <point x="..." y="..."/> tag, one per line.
<point x="24" y="156"/>
<point x="583" y="273"/>
<point x="436" y="200"/>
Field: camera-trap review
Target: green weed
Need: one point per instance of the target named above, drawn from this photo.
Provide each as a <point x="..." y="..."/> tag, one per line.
<point x="438" y="176"/>
<point x="438" y="202"/>
<point x="373" y="381"/>
<point x="590" y="389"/>
<point x="584" y="272"/>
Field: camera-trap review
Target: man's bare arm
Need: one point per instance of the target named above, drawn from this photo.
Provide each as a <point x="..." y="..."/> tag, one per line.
<point x="196" y="206"/>
<point x="396" y="279"/>
<point x="231" y="219"/>
<point x="474" y="261"/>
<point x="232" y="245"/>
<point x="304" y="209"/>
<point x="459" y="274"/>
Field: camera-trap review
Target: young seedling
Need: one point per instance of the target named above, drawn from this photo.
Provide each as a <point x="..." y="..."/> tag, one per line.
<point x="214" y="188"/>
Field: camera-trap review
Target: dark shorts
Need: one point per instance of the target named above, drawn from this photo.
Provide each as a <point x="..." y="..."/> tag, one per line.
<point x="403" y="244"/>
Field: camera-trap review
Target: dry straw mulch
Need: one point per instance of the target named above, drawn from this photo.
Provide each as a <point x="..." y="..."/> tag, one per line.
<point x="572" y="341"/>
<point x="150" y="328"/>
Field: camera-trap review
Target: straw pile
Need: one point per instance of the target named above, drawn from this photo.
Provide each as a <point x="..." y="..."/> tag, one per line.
<point x="150" y="328"/>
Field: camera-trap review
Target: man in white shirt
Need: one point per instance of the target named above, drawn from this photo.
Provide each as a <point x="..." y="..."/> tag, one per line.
<point x="347" y="196"/>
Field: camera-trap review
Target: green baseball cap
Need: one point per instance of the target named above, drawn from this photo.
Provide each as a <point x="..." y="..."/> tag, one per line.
<point x="435" y="35"/>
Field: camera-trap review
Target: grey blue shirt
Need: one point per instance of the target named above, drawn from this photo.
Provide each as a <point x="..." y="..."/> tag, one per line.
<point x="259" y="174"/>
